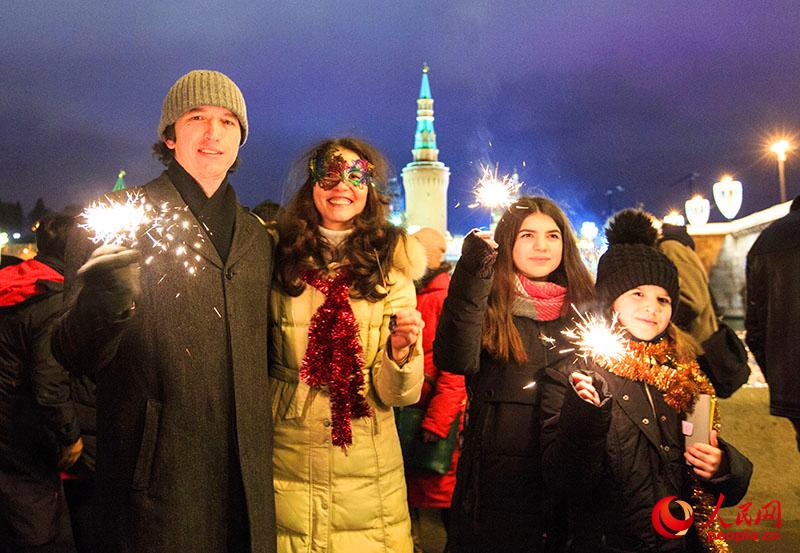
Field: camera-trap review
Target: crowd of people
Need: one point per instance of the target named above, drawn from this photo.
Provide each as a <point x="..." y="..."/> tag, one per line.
<point x="251" y="406"/>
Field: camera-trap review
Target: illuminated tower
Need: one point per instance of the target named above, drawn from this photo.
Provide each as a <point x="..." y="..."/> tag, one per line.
<point x="120" y="184"/>
<point x="426" y="178"/>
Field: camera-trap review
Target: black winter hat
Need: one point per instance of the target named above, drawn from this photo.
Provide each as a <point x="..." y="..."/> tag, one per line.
<point x="632" y="259"/>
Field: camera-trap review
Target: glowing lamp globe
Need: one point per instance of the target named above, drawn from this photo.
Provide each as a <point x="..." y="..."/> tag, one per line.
<point x="728" y="196"/>
<point x="698" y="210"/>
<point x="675" y="219"/>
<point x="589" y="231"/>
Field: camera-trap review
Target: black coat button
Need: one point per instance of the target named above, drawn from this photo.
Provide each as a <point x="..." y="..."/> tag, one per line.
<point x="229" y="273"/>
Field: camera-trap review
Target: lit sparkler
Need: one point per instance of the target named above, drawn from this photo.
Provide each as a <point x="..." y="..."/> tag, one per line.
<point x="495" y="191"/>
<point x="115" y="223"/>
<point x="595" y="338"/>
<point x="112" y="222"/>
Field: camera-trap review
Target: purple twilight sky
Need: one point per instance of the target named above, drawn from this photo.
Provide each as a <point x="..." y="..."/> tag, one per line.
<point x="580" y="97"/>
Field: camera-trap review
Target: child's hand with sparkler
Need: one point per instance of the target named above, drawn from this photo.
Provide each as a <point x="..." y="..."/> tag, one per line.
<point x="111" y="280"/>
<point x="406" y="328"/>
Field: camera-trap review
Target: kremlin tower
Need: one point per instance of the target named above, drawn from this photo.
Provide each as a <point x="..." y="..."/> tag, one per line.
<point x="426" y="178"/>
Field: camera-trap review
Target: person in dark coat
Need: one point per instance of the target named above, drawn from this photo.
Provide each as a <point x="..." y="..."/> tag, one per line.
<point x="507" y="303"/>
<point x="177" y="344"/>
<point x="695" y="313"/>
<point x="612" y="427"/>
<point x="39" y="431"/>
<point x="78" y="479"/>
<point x="773" y="312"/>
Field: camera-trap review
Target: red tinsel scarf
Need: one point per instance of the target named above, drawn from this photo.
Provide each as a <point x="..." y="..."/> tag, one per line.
<point x="334" y="356"/>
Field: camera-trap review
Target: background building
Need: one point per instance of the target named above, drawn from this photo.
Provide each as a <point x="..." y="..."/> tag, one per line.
<point x="425" y="179"/>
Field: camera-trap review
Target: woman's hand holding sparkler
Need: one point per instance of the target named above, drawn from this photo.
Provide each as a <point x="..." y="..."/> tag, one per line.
<point x="111" y="279"/>
<point x="406" y="328"/>
<point x="705" y="458"/>
<point x="584" y="387"/>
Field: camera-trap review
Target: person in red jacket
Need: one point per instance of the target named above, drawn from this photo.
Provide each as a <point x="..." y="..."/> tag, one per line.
<point x="443" y="394"/>
<point x="39" y="429"/>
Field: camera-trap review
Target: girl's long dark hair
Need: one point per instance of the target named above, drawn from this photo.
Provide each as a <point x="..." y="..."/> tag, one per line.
<point x="500" y="335"/>
<point x="368" y="250"/>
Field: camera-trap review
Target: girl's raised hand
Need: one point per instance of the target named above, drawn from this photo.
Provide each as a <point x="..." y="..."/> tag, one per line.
<point x="583" y="385"/>
<point x="486" y="236"/>
<point x="406" y="328"/>
<point x="705" y="458"/>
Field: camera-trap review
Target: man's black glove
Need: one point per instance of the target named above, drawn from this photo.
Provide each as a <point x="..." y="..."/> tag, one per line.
<point x="111" y="282"/>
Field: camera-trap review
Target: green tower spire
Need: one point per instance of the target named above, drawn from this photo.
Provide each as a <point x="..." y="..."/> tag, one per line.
<point x="120" y="184"/>
<point x="425" y="87"/>
<point x="425" y="136"/>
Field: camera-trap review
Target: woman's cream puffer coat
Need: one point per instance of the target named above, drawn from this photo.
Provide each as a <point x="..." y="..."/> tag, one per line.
<point x="327" y="499"/>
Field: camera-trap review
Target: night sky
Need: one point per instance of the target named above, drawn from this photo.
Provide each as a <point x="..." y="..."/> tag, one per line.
<point x="580" y="98"/>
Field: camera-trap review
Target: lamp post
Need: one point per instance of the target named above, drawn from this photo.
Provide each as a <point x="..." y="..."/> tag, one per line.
<point x="780" y="148"/>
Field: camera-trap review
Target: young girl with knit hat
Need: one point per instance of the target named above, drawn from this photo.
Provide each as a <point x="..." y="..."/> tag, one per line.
<point x="507" y="302"/>
<point x="613" y="429"/>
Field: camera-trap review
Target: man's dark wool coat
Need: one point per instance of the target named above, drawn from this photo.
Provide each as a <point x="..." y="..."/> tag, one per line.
<point x="184" y="433"/>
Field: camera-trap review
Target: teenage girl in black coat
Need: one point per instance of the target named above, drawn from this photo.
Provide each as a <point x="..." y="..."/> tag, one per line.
<point x="507" y="302"/>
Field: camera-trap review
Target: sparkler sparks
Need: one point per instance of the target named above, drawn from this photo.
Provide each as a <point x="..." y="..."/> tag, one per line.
<point x="112" y="222"/>
<point x="595" y="338"/>
<point x="115" y="223"/>
<point x="495" y="191"/>
<point x="549" y="341"/>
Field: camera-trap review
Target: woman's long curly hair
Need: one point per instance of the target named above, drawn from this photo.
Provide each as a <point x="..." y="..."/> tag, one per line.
<point x="500" y="336"/>
<point x="368" y="251"/>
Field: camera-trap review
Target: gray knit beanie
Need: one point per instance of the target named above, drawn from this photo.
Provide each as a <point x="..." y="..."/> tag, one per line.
<point x="203" y="87"/>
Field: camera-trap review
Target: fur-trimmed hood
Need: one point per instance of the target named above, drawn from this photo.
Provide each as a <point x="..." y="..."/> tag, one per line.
<point x="409" y="258"/>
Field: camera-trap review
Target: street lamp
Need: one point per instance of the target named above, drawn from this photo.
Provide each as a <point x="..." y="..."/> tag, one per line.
<point x="587" y="245"/>
<point x="780" y="148"/>
<point x="589" y="231"/>
<point x="674" y="218"/>
<point x="728" y="196"/>
<point x="698" y="209"/>
<point x="3" y="241"/>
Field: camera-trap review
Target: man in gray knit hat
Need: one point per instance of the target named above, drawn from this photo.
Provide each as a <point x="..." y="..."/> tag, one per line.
<point x="177" y="344"/>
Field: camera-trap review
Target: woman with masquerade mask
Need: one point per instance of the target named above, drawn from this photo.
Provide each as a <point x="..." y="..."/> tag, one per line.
<point x="345" y="348"/>
<point x="507" y="303"/>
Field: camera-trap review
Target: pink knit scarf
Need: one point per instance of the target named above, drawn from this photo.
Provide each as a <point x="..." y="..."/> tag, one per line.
<point x="548" y="297"/>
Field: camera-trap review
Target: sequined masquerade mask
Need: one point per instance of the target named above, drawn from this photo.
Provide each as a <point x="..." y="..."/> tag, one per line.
<point x="328" y="169"/>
